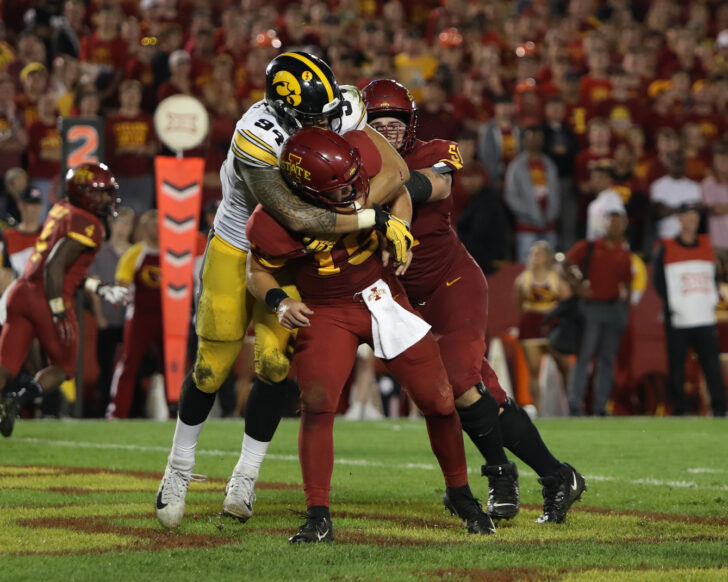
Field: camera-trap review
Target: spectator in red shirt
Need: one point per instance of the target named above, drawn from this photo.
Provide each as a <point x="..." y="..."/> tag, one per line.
<point x="600" y="136"/>
<point x="471" y="107"/>
<point x="667" y="143"/>
<point x="605" y="289"/>
<point x="139" y="68"/>
<point x="131" y="145"/>
<point x="104" y="53"/>
<point x="13" y="137"/>
<point x="702" y="111"/>
<point x="29" y="49"/>
<point x="487" y="62"/>
<point x="576" y="111"/>
<point x="202" y="53"/>
<point x="697" y="156"/>
<point x="224" y="112"/>
<point x="620" y="109"/>
<point x="44" y="152"/>
<point x="596" y="86"/>
<point x="87" y="102"/>
<point x="437" y="119"/>
<point x="683" y="56"/>
<point x="34" y="80"/>
<point x="180" y="81"/>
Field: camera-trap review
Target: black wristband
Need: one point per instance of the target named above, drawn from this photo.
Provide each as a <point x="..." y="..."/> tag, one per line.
<point x="419" y="187"/>
<point x="274" y="297"/>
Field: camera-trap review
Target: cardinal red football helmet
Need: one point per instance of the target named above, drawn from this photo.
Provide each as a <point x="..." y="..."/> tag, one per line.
<point x="93" y="188"/>
<point x="316" y="162"/>
<point x="387" y="98"/>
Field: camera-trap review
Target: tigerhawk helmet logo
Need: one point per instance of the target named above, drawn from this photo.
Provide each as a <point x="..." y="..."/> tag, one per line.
<point x="288" y="87"/>
<point x="293" y="167"/>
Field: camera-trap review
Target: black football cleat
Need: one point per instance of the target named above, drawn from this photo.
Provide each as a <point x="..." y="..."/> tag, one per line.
<point x="468" y="508"/>
<point x="560" y="491"/>
<point x="9" y="409"/>
<point x="315" y="530"/>
<point x="503" y="494"/>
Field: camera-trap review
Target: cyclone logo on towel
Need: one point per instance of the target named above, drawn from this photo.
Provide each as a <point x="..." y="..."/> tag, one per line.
<point x="288" y="87"/>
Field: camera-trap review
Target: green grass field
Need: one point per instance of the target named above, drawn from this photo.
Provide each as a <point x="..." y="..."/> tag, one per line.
<point x="76" y="503"/>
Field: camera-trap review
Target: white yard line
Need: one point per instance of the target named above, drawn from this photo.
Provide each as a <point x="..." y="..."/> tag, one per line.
<point x="365" y="463"/>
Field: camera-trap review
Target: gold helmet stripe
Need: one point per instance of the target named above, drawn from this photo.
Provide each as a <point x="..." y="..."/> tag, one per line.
<point x="316" y="69"/>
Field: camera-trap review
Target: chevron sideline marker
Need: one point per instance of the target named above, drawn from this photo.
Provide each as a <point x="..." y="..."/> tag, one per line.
<point x="179" y="196"/>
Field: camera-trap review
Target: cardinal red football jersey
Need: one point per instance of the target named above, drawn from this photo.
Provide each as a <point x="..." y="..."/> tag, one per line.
<point x="66" y="220"/>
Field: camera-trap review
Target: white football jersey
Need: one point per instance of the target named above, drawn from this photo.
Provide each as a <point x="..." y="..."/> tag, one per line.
<point x="257" y="142"/>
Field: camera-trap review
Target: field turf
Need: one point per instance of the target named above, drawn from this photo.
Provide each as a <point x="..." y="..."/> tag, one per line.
<point x="76" y="503"/>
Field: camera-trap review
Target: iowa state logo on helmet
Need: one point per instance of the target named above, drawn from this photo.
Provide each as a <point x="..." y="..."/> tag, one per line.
<point x="288" y="87"/>
<point x="293" y="168"/>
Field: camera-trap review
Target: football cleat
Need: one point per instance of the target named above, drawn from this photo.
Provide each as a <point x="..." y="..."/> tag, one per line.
<point x="503" y="495"/>
<point x="468" y="508"/>
<point x="239" y="497"/>
<point x="170" y="500"/>
<point x="9" y="409"/>
<point x="560" y="491"/>
<point x="315" y="530"/>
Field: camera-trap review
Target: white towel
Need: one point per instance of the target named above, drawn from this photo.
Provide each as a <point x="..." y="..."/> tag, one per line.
<point x="394" y="329"/>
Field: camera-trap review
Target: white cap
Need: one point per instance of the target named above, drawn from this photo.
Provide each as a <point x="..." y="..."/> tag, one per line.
<point x="721" y="41"/>
<point x="179" y="56"/>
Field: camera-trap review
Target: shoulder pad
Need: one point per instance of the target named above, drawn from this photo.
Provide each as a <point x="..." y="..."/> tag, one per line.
<point x="258" y="137"/>
<point x="354" y="115"/>
<point x="441" y="155"/>
<point x="370" y="156"/>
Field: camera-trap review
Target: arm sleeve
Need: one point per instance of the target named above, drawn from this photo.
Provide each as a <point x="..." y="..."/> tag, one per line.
<point x="127" y="264"/>
<point x="419" y="187"/>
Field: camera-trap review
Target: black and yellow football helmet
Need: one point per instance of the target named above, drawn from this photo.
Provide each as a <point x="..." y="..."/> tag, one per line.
<point x="302" y="91"/>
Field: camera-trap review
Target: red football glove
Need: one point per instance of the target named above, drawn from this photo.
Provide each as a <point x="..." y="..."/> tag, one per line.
<point x="65" y="328"/>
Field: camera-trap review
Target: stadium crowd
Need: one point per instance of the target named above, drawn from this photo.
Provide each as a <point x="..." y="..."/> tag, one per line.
<point x="566" y="113"/>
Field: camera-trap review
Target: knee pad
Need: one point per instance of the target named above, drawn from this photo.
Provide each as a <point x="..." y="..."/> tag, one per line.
<point x="273" y="365"/>
<point x="213" y="363"/>
<point x="515" y="423"/>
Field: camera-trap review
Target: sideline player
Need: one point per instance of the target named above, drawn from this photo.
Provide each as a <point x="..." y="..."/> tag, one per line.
<point x="449" y="290"/>
<point x="347" y="302"/>
<point x="41" y="304"/>
<point x="300" y="91"/>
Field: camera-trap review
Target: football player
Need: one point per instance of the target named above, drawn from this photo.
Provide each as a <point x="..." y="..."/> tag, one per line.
<point x="449" y="290"/>
<point x="300" y="91"/>
<point x="347" y="302"/>
<point x="41" y="303"/>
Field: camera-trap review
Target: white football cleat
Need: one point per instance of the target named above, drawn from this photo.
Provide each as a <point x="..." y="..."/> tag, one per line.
<point x="239" y="496"/>
<point x="170" y="500"/>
